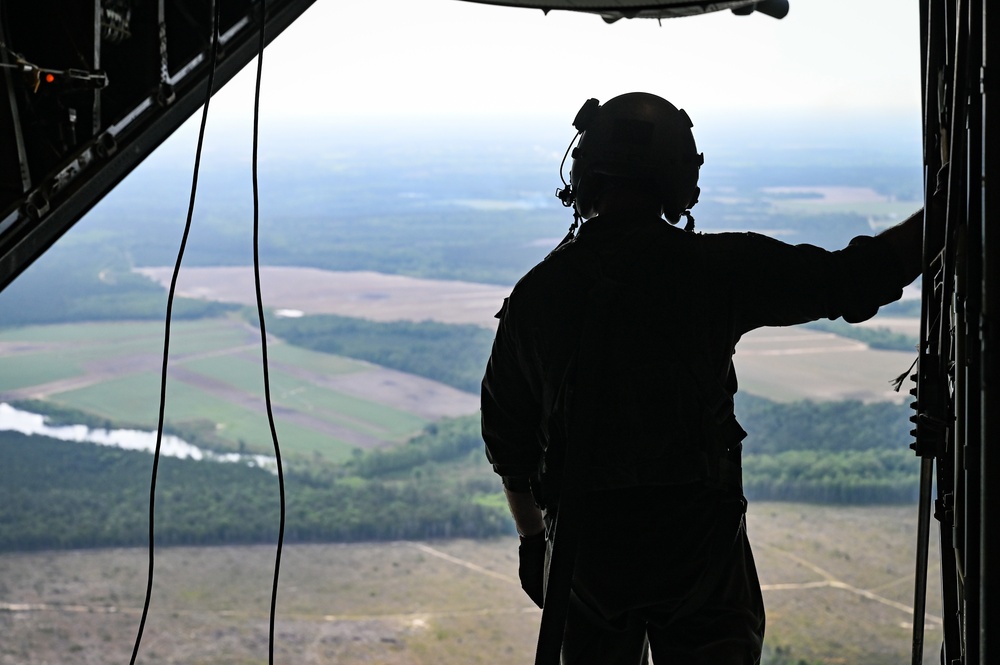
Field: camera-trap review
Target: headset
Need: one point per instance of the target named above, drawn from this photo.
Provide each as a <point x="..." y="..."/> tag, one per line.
<point x="637" y="137"/>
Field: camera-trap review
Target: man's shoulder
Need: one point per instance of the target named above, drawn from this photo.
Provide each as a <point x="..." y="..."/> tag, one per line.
<point x="562" y="264"/>
<point x="579" y="261"/>
<point x="736" y="238"/>
<point x="555" y="283"/>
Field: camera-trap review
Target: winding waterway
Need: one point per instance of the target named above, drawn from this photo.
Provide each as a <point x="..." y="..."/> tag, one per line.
<point x="129" y="439"/>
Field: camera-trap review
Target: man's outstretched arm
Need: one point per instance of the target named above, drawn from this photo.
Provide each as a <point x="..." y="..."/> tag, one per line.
<point x="907" y="237"/>
<point x="907" y="241"/>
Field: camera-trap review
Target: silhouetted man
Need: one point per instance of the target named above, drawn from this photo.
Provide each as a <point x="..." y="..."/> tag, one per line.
<point x="607" y="404"/>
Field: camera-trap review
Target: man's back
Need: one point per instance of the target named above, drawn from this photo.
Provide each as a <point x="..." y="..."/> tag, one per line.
<point x="665" y="309"/>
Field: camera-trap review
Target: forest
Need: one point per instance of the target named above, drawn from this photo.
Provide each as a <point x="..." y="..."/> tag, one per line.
<point x="56" y="494"/>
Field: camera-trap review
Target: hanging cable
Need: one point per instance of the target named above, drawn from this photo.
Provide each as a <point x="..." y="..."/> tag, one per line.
<point x="216" y="11"/>
<point x="263" y="339"/>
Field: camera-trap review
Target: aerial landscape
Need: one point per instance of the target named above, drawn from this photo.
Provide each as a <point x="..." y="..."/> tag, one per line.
<point x="407" y="171"/>
<point x="384" y="263"/>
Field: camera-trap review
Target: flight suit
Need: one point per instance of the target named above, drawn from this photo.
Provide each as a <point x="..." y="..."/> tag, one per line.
<point x="613" y="358"/>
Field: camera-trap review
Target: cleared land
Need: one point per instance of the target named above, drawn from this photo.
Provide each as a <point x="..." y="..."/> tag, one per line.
<point x="787" y="364"/>
<point x="828" y="194"/>
<point x="882" y="210"/>
<point x="907" y="326"/>
<point x="365" y="295"/>
<point x="837" y="583"/>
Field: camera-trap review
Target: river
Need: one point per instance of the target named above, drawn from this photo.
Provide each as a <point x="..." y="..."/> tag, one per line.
<point x="128" y="439"/>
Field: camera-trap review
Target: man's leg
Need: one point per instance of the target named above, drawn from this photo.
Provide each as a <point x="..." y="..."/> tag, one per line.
<point x="728" y="629"/>
<point x="591" y="640"/>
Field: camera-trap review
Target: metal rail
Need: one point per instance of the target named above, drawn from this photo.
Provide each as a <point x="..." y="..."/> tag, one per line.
<point x="956" y="410"/>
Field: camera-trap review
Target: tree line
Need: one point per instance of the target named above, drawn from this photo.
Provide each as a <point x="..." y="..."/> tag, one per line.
<point x="877" y="338"/>
<point x="98" y="285"/>
<point x="451" y="354"/>
<point x="845" y="452"/>
<point x="56" y="494"/>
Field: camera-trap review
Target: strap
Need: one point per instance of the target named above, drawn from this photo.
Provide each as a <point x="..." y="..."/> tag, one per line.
<point x="565" y="531"/>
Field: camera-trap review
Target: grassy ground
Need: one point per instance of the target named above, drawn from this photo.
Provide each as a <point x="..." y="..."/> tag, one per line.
<point x="27" y="370"/>
<point x="836" y="583"/>
<point x="112" y="370"/>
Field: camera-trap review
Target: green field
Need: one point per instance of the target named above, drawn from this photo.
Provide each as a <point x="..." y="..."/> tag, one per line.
<point x="135" y="399"/>
<point x="26" y="370"/>
<point x="111" y="370"/>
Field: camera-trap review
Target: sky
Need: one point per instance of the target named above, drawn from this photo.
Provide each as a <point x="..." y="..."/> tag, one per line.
<point x="426" y="59"/>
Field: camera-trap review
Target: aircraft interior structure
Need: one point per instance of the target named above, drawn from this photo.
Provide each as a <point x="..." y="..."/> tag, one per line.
<point x="89" y="89"/>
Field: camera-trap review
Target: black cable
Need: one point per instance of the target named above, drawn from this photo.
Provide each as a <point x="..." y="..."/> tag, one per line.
<point x="562" y="164"/>
<point x="166" y="334"/>
<point x="263" y="339"/>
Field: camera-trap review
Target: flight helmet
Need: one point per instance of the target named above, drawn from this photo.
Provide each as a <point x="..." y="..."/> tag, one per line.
<point x="638" y="139"/>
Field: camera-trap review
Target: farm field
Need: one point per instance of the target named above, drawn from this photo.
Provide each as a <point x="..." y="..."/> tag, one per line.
<point x="324" y="404"/>
<point x="364" y="294"/>
<point x="782" y="364"/>
<point x="907" y="326"/>
<point x="837" y="582"/>
<point x="330" y="405"/>
<point x="788" y="364"/>
<point x="881" y="209"/>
